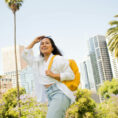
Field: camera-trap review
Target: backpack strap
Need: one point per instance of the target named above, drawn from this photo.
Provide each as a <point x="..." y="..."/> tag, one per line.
<point x="51" y="61"/>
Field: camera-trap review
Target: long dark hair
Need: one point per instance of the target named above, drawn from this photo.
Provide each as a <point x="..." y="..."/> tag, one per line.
<point x="55" y="51"/>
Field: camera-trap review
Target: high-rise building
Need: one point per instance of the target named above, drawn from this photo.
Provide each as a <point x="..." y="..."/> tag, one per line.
<point x="12" y="75"/>
<point x="100" y="59"/>
<point x="26" y="77"/>
<point x="92" y="55"/>
<point x="5" y="84"/>
<point x="87" y="76"/>
<point x="114" y="63"/>
<point x="84" y="75"/>
<point x="8" y="61"/>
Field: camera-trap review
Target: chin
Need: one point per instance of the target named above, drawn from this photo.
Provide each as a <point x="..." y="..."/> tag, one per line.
<point x="45" y="53"/>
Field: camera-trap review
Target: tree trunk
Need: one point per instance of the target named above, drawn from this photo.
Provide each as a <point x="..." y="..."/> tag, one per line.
<point x="16" y="67"/>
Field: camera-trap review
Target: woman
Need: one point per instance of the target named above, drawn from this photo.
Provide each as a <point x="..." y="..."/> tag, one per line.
<point x="48" y="83"/>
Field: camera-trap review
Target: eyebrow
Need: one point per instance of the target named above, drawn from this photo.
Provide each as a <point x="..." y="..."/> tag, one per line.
<point x="45" y="41"/>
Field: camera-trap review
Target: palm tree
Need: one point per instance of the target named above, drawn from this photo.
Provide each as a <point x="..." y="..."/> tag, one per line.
<point x="112" y="34"/>
<point x="14" y="5"/>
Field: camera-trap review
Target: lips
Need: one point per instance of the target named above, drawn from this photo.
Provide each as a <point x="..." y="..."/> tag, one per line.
<point x="44" y="48"/>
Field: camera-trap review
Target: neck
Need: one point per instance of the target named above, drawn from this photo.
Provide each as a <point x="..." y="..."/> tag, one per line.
<point x="46" y="56"/>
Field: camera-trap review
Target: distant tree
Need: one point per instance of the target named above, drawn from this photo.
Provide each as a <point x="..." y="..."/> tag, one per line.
<point x="15" y="5"/>
<point x="112" y="34"/>
<point x="108" y="108"/>
<point x="83" y="107"/>
<point x="108" y="88"/>
<point x="1" y="107"/>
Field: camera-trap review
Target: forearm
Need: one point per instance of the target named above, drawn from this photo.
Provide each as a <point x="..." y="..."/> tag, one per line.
<point x="30" y="45"/>
<point x="56" y="76"/>
<point x="36" y="40"/>
<point x="53" y="75"/>
<point x="60" y="76"/>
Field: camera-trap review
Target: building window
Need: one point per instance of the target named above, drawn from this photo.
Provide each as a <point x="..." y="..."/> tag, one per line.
<point x="98" y="53"/>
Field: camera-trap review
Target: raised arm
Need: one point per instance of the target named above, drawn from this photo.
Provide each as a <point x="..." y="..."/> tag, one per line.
<point x="27" y="53"/>
<point x="36" y="40"/>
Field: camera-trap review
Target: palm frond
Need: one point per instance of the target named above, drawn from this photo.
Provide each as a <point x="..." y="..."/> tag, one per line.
<point x="112" y="30"/>
<point x="116" y="51"/>
<point x="112" y="34"/>
<point x="113" y="38"/>
<point x="110" y="42"/>
<point x="111" y="46"/>
<point x="14" y="5"/>
<point x="116" y="16"/>
<point x="7" y="1"/>
<point x="114" y="46"/>
<point x="113" y="22"/>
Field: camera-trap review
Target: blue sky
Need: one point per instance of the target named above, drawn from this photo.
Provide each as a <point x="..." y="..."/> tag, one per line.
<point x="69" y="22"/>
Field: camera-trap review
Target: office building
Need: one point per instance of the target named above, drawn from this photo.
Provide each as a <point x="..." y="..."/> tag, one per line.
<point x="5" y="84"/>
<point x="87" y="76"/>
<point x="8" y="61"/>
<point x="12" y="75"/>
<point x="100" y="59"/>
<point x="114" y="63"/>
<point x="26" y="77"/>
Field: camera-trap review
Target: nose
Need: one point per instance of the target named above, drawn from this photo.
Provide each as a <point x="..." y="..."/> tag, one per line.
<point x="44" y="45"/>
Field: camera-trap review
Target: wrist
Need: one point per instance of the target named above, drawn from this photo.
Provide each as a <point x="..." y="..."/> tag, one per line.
<point x="53" y="75"/>
<point x="56" y="76"/>
<point x="33" y="43"/>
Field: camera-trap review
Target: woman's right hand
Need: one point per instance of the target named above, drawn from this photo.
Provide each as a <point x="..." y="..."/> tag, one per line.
<point x="38" y="39"/>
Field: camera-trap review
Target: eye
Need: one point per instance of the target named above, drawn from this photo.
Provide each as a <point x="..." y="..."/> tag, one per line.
<point x="47" y="42"/>
<point x="42" y="43"/>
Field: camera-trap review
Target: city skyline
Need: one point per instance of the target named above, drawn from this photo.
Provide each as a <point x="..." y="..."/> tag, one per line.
<point x="96" y="68"/>
<point x="70" y="23"/>
<point x="9" y="65"/>
<point x="8" y="59"/>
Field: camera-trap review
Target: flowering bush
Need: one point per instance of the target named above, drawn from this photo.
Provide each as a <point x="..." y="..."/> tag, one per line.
<point x="30" y="108"/>
<point x="108" y="108"/>
<point x="83" y="107"/>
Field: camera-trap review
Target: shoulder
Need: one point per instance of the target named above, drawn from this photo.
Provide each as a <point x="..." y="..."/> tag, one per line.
<point x="60" y="59"/>
<point x="39" y="58"/>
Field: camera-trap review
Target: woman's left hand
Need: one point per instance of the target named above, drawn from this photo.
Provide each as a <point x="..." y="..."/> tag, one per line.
<point x="51" y="74"/>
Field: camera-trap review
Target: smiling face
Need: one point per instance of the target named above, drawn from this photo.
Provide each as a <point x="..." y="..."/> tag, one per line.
<point x="46" y="47"/>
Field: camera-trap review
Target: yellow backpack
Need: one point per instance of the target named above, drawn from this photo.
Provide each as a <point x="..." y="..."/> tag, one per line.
<point x="71" y="84"/>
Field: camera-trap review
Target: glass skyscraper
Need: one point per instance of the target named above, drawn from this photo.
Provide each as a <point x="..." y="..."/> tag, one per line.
<point x="98" y="53"/>
<point x="26" y="77"/>
<point x="114" y="64"/>
<point x="87" y="78"/>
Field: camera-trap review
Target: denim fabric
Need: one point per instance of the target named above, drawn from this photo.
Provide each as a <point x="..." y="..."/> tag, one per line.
<point x="58" y="102"/>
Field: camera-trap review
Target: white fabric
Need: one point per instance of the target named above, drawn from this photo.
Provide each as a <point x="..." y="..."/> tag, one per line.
<point x="59" y="65"/>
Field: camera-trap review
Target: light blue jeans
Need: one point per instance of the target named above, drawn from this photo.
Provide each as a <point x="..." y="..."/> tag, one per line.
<point x="58" y="102"/>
